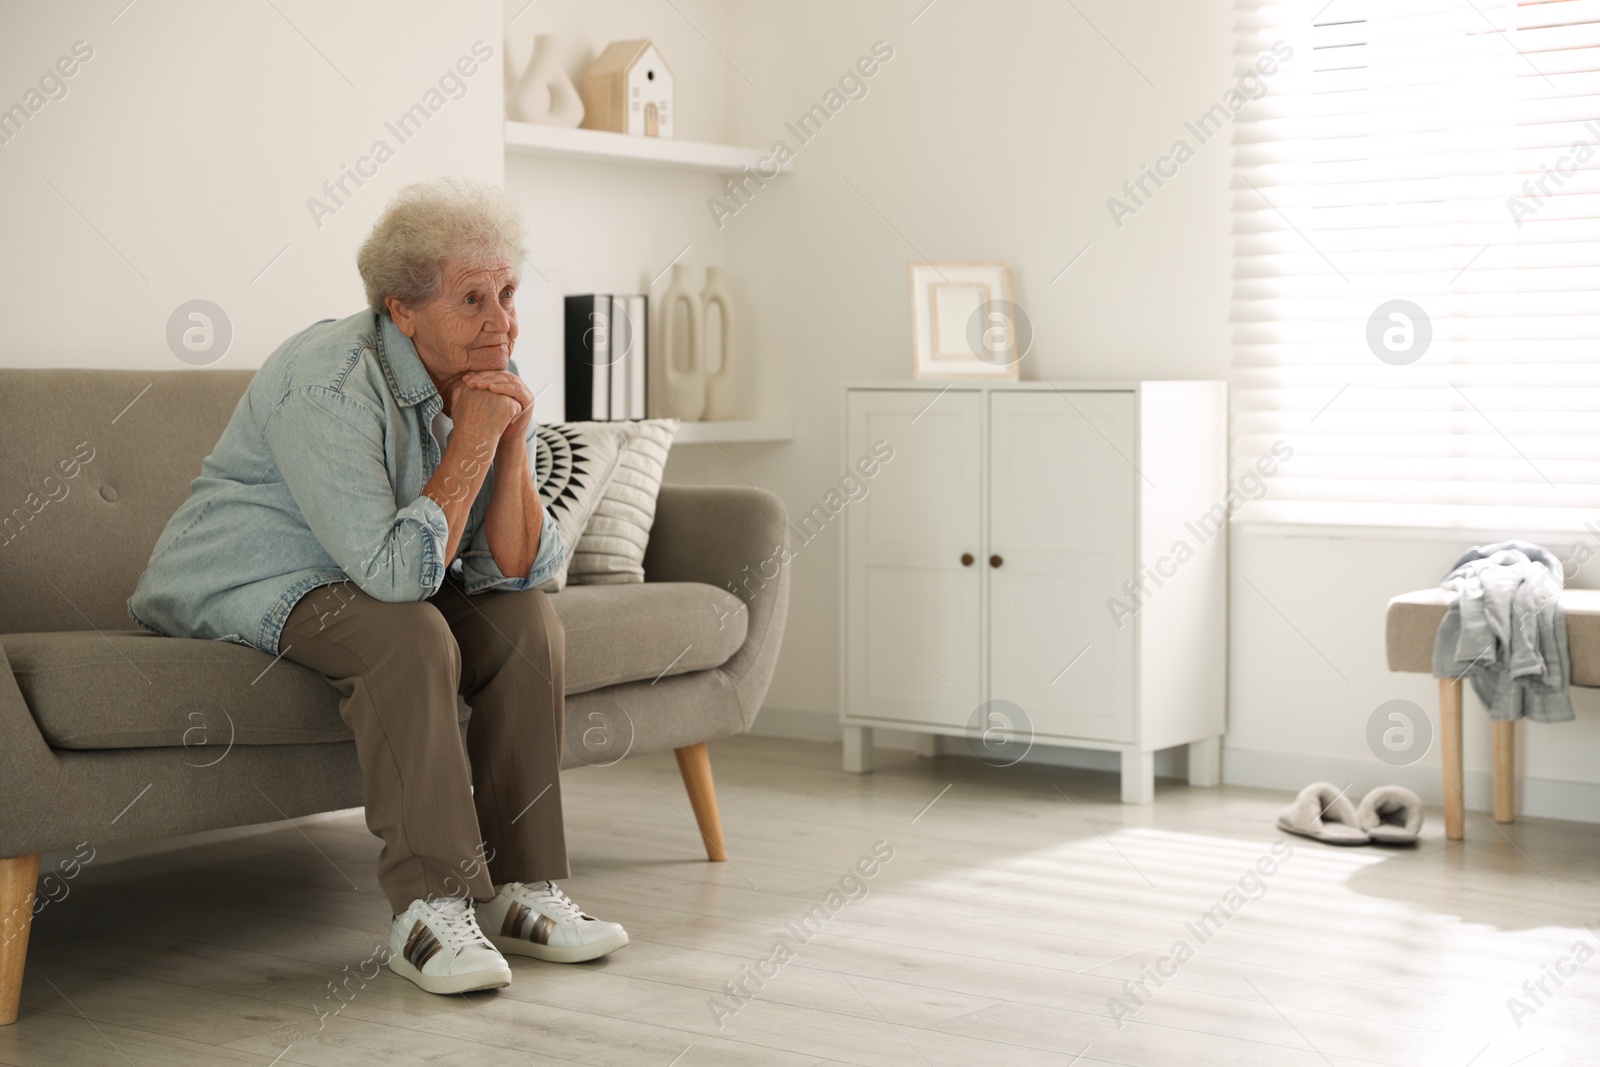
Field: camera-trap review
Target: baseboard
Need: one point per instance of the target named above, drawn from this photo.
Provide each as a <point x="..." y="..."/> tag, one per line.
<point x="800" y="724"/>
<point x="1538" y="797"/>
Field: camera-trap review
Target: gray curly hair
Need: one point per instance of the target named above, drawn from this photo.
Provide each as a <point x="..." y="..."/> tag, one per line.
<point x="430" y="224"/>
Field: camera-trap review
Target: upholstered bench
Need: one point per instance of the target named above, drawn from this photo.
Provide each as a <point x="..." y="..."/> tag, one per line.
<point x="1413" y="620"/>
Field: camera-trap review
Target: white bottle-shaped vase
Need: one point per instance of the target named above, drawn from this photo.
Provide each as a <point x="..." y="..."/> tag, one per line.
<point x="544" y="93"/>
<point x="722" y="384"/>
<point x="680" y="366"/>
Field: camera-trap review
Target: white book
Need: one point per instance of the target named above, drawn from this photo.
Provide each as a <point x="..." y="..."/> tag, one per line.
<point x="639" y="339"/>
<point x="621" y="342"/>
<point x="600" y="354"/>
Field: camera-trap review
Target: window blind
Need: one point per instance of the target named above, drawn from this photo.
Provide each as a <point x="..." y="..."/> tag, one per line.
<point x="1446" y="154"/>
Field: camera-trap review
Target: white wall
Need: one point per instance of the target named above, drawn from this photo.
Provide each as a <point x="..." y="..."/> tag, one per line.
<point x="996" y="132"/>
<point x="187" y="147"/>
<point x="185" y="151"/>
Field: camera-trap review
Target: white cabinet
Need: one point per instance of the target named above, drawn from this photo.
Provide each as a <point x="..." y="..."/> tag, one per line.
<point x="1039" y="563"/>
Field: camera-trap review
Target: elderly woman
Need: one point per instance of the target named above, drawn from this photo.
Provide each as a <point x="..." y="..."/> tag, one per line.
<point x="370" y="512"/>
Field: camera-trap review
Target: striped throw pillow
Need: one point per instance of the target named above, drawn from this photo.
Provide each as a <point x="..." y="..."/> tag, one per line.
<point x="611" y="550"/>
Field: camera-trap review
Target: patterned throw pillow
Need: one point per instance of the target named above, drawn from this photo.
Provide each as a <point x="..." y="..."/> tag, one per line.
<point x="573" y="464"/>
<point x="611" y="551"/>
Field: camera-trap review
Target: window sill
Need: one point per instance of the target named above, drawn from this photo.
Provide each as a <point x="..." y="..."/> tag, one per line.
<point x="1559" y="541"/>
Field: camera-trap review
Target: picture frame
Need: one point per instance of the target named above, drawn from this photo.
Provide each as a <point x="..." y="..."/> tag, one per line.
<point x="963" y="322"/>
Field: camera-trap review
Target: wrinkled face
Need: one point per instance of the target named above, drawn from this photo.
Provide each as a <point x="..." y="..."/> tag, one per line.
<point x="470" y="324"/>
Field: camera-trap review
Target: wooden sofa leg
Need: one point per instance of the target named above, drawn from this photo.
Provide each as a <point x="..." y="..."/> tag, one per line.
<point x="694" y="763"/>
<point x="18" y="876"/>
<point x="1450" y="753"/>
<point x="1505" y="781"/>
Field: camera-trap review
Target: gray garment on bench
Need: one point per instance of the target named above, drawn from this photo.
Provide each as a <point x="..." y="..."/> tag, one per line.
<point x="1506" y="631"/>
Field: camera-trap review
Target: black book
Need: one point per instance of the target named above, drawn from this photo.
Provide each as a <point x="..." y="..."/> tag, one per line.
<point x="588" y="357"/>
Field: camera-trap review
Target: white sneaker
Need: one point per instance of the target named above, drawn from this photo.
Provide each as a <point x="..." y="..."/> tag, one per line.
<point x="438" y="945"/>
<point x="536" y="919"/>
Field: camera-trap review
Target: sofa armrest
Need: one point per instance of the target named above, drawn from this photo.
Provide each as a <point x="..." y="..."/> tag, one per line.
<point x="32" y="770"/>
<point x="735" y="539"/>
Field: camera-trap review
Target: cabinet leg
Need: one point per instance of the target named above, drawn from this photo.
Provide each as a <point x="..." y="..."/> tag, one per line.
<point x="1138" y="777"/>
<point x="858" y="749"/>
<point x="1205" y="762"/>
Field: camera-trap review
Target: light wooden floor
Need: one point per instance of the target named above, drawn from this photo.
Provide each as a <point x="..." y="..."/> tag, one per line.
<point x="1009" y="915"/>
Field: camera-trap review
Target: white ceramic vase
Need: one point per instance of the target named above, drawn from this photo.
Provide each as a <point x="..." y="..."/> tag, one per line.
<point x="722" y="384"/>
<point x="544" y="93"/>
<point x="680" y="369"/>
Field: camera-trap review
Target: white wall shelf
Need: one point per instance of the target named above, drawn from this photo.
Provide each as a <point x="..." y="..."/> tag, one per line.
<point x="734" y="431"/>
<point x="527" y="138"/>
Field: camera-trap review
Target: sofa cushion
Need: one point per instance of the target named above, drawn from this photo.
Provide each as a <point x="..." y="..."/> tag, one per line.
<point x="134" y="689"/>
<point x="1413" y="620"/>
<point x="631" y="633"/>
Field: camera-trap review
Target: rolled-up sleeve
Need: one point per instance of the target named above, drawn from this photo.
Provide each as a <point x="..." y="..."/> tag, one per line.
<point x="478" y="569"/>
<point x="481" y="574"/>
<point x="329" y="450"/>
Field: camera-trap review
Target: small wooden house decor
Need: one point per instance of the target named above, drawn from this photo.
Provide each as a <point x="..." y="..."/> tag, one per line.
<point x="629" y="90"/>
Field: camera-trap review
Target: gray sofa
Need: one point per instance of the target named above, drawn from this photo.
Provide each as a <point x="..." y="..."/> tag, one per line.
<point x="109" y="733"/>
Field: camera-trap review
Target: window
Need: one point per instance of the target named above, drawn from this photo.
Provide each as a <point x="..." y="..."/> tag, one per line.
<point x="1416" y="302"/>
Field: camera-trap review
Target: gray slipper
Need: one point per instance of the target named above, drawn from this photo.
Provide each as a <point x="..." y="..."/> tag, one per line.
<point x="1391" y="815"/>
<point x="1324" y="813"/>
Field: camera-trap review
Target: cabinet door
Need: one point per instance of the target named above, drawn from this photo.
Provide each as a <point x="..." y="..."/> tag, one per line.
<point x="913" y="636"/>
<point x="1062" y="483"/>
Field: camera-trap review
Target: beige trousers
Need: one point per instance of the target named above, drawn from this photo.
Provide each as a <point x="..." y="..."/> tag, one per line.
<point x="453" y="822"/>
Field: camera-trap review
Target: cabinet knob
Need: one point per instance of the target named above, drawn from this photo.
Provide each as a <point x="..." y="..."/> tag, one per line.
<point x="995" y="561"/>
<point x="966" y="559"/>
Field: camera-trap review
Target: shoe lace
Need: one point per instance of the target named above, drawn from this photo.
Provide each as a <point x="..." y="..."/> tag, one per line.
<point x="455" y="920"/>
<point x="548" y="894"/>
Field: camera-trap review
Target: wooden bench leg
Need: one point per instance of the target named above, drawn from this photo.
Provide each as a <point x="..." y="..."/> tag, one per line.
<point x="694" y="763"/>
<point x="18" y="876"/>
<point x="1505" y="779"/>
<point x="1450" y="753"/>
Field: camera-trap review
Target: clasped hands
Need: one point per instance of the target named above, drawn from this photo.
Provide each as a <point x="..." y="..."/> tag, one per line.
<point x="492" y="406"/>
<point x="490" y="411"/>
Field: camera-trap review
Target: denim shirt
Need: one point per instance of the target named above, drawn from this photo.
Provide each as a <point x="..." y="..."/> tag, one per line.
<point x="317" y="479"/>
